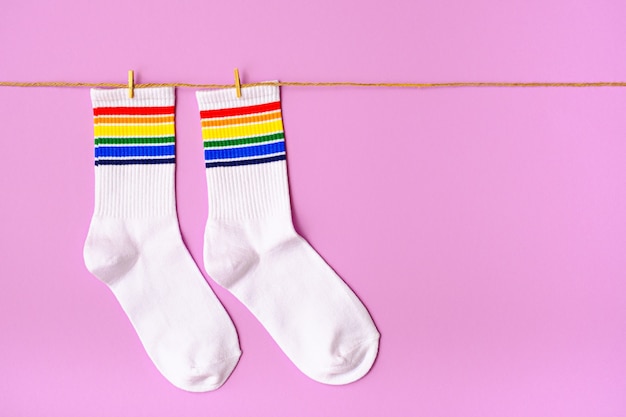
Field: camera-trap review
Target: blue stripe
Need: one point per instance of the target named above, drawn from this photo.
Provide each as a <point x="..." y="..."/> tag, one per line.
<point x="244" y="151"/>
<point x="134" y="161"/>
<point x="116" y="151"/>
<point x="245" y="161"/>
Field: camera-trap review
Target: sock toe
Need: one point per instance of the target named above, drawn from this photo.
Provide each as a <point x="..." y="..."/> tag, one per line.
<point x="208" y="377"/>
<point x="357" y="363"/>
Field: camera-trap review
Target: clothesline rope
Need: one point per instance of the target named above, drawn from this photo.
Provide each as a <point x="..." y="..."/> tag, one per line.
<point x="318" y="84"/>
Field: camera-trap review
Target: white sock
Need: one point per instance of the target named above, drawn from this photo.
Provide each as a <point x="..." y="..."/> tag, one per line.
<point x="135" y="247"/>
<point x="252" y="249"/>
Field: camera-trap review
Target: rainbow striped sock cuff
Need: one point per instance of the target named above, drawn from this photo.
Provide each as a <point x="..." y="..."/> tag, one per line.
<point x="244" y="150"/>
<point x="241" y="131"/>
<point x="134" y="131"/>
<point x="134" y="150"/>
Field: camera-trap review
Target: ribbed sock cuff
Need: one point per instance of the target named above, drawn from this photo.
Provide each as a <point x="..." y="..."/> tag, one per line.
<point x="143" y="97"/>
<point x="227" y="97"/>
<point x="248" y="191"/>
<point x="134" y="152"/>
<point x="131" y="191"/>
<point x="244" y="150"/>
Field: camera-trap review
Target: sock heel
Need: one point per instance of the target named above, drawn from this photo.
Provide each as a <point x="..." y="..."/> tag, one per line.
<point x="109" y="257"/>
<point x="227" y="255"/>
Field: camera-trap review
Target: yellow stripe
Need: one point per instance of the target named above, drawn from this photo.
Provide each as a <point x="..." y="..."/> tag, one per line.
<point x="227" y="132"/>
<point x="133" y="130"/>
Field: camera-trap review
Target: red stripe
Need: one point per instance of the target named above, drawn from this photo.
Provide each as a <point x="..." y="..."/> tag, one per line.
<point x="240" y="111"/>
<point x="98" y="111"/>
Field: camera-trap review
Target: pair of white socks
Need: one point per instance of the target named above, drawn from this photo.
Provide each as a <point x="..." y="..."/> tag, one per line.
<point x="251" y="248"/>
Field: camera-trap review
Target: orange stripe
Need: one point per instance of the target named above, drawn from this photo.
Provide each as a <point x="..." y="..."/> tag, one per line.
<point x="241" y="120"/>
<point x="133" y="120"/>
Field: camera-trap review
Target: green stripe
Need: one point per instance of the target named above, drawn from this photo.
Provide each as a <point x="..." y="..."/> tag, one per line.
<point x="134" y="141"/>
<point x="243" y="141"/>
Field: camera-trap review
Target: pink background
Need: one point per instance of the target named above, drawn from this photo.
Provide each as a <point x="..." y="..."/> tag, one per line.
<point x="484" y="229"/>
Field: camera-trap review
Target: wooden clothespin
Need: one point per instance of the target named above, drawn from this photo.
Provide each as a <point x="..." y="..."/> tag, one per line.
<point x="237" y="83"/>
<point x="131" y="83"/>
